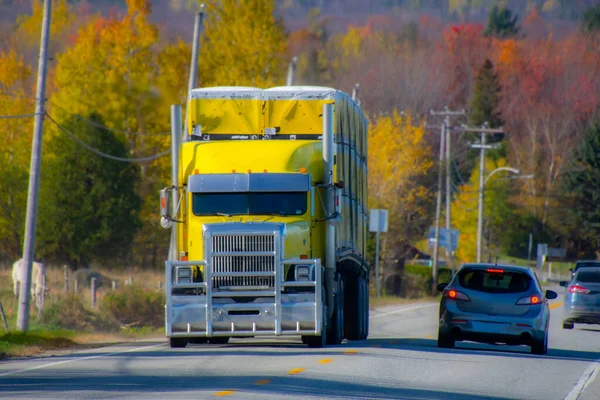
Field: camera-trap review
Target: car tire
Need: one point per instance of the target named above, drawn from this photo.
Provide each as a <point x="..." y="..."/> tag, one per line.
<point x="568" y="325"/>
<point x="177" y="343"/>
<point x="540" y="347"/>
<point x="445" y="341"/>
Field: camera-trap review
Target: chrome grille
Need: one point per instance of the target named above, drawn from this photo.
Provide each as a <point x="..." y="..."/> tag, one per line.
<point x="234" y="253"/>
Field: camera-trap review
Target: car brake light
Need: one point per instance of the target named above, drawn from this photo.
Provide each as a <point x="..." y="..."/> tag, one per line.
<point x="495" y="270"/>
<point x="530" y="300"/>
<point x="578" y="289"/>
<point x="456" y="295"/>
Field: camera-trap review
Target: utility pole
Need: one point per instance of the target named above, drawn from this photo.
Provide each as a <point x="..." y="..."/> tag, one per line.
<point x="445" y="132"/>
<point x="355" y="93"/>
<point x="438" y="211"/>
<point x="482" y="146"/>
<point x="291" y="74"/>
<point x="34" y="173"/>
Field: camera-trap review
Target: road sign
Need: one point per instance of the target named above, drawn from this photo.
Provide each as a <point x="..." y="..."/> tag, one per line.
<point x="447" y="236"/>
<point x="378" y="220"/>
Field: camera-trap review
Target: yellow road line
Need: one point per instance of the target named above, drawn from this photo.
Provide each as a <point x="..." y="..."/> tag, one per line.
<point x="225" y="393"/>
<point x="556" y="305"/>
<point x="262" y="382"/>
<point x="295" y="371"/>
<point x="351" y="352"/>
<point x="325" y="361"/>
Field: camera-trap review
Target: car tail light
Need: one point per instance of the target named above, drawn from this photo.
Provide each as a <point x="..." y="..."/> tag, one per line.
<point x="495" y="270"/>
<point x="456" y="295"/>
<point x="578" y="289"/>
<point x="530" y="300"/>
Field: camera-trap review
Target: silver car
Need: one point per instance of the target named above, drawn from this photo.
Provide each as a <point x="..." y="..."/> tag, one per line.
<point x="582" y="297"/>
<point x="492" y="303"/>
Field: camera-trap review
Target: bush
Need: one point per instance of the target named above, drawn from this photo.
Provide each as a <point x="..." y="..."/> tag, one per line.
<point x="69" y="313"/>
<point x="134" y="306"/>
<point x="444" y="274"/>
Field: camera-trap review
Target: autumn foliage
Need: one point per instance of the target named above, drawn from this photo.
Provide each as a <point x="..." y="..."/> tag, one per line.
<point x="127" y="65"/>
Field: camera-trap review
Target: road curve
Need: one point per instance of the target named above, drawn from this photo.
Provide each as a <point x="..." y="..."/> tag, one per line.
<point x="400" y="360"/>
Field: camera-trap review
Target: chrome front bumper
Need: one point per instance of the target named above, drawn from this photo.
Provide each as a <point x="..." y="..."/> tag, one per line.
<point x="267" y="312"/>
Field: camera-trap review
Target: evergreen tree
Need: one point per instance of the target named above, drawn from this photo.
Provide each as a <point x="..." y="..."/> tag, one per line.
<point x="581" y="185"/>
<point x="89" y="207"/>
<point x="486" y="97"/>
<point x="591" y="20"/>
<point x="501" y="23"/>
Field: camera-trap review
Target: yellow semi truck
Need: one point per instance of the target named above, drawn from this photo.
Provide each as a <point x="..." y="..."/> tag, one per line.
<point x="268" y="211"/>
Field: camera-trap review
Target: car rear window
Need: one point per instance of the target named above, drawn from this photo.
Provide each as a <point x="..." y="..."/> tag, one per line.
<point x="586" y="264"/>
<point x="588" y="276"/>
<point x="494" y="280"/>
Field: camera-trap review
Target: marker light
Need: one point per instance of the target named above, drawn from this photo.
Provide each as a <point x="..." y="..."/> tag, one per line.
<point x="303" y="170"/>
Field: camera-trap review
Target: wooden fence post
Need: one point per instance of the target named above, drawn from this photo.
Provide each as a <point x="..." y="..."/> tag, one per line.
<point x="93" y="292"/>
<point x="3" y="318"/>
<point x="114" y="285"/>
<point x="76" y="286"/>
<point x="66" y="279"/>
<point x="160" y="285"/>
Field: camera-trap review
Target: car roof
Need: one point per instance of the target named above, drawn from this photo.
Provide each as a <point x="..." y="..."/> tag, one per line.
<point x="506" y="267"/>
<point x="580" y="262"/>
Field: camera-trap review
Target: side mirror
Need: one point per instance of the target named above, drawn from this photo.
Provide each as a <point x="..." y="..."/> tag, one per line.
<point x="441" y="286"/>
<point x="551" y="295"/>
<point x="165" y="204"/>
<point x="564" y="283"/>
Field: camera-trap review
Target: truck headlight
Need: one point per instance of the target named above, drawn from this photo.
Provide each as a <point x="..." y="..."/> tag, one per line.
<point x="183" y="275"/>
<point x="303" y="272"/>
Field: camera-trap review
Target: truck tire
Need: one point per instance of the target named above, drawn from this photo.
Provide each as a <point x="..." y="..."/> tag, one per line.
<point x="364" y="285"/>
<point x="355" y="310"/>
<point x="335" y="335"/>
<point x="218" y="340"/>
<point x="177" y="342"/>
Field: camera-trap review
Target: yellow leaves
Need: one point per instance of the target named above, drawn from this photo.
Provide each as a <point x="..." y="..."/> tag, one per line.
<point x="30" y="25"/>
<point x="399" y="160"/>
<point x="13" y="70"/>
<point x="243" y="44"/>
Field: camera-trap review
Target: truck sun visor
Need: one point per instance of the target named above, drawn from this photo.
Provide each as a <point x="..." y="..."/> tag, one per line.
<point x="266" y="182"/>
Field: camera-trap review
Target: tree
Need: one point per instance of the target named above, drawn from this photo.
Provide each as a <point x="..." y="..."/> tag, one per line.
<point x="497" y="211"/>
<point x="590" y="22"/>
<point x="90" y="204"/>
<point x="400" y="162"/>
<point x="582" y="184"/>
<point x="485" y="99"/>
<point x="244" y="44"/>
<point x="15" y="89"/>
<point x="501" y="23"/>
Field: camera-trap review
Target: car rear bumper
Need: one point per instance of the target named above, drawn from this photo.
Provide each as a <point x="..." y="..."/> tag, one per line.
<point x="582" y="314"/>
<point x="479" y="328"/>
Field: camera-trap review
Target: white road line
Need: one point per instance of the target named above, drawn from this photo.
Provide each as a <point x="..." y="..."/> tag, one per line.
<point x="79" y="359"/>
<point x="383" y="314"/>
<point x="584" y="380"/>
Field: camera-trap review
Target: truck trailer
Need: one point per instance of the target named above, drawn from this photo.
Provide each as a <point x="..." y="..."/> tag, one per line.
<point x="268" y="212"/>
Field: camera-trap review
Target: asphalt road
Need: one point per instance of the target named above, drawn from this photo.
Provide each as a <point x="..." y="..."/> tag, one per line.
<point x="400" y="360"/>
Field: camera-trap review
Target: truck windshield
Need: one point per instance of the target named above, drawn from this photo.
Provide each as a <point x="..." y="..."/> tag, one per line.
<point x="249" y="203"/>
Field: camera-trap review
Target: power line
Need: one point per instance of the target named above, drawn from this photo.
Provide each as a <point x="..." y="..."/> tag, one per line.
<point x="98" y="125"/>
<point x="102" y="154"/>
<point x="17" y="116"/>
